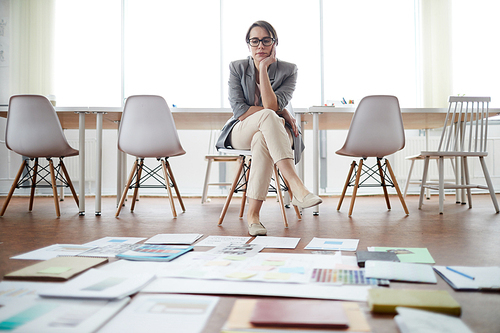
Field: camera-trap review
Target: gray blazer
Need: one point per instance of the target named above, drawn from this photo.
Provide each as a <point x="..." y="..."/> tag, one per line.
<point x="283" y="77"/>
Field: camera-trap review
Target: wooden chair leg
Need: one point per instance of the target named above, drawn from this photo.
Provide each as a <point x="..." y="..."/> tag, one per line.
<point x="424" y="182"/>
<point x="13" y="187"/>
<point x="353" y="164"/>
<point x="231" y="191"/>
<point x="33" y="184"/>
<point x="382" y="180"/>
<point x="70" y="184"/>
<point x="167" y="185"/>
<point x="125" y="190"/>
<point x="395" y="182"/>
<point x="54" y="188"/>
<point x="280" y="195"/>
<point x="244" y="196"/>
<point x="176" y="188"/>
<point x="356" y="184"/>
<point x="136" y="189"/>
<point x="488" y="182"/>
<point x="297" y="210"/>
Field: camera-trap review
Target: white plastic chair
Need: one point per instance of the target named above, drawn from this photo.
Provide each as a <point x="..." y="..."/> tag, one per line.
<point x="240" y="183"/>
<point x="34" y="131"/>
<point x="147" y="130"/>
<point x="465" y="134"/>
<point x="376" y="130"/>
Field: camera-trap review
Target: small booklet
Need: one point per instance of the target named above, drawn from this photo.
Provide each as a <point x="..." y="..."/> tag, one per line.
<point x="400" y="271"/>
<point x="385" y="300"/>
<point x="413" y="320"/>
<point x="299" y="313"/>
<point x="470" y="278"/>
<point x="151" y="252"/>
<point x="56" y="269"/>
<point x="363" y="256"/>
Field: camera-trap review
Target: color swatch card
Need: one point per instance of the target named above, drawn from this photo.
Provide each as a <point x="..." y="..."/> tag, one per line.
<point x="332" y="244"/>
<point x="115" y="240"/>
<point x="56" y="269"/>
<point x="344" y="276"/>
<point x="470" y="278"/>
<point x="151" y="252"/>
<point x="398" y="271"/>
<point x="97" y="284"/>
<point x="58" y="315"/>
<point x="186" y="239"/>
<point x="408" y="254"/>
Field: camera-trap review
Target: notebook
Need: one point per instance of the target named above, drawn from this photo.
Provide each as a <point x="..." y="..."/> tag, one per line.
<point x="56" y="269"/>
<point x="383" y="300"/>
<point x="363" y="256"/>
<point x="470" y="278"/>
<point x="299" y="313"/>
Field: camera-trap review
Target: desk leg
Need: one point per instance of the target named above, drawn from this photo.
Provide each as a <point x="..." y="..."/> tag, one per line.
<point x="98" y="180"/>
<point x="81" y="142"/>
<point x="316" y="159"/>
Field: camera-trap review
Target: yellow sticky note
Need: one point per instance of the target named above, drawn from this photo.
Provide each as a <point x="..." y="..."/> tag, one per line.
<point x="277" y="276"/>
<point x="273" y="263"/>
<point x="54" y="270"/>
<point x="218" y="263"/>
<point x="240" y="275"/>
<point x="235" y="258"/>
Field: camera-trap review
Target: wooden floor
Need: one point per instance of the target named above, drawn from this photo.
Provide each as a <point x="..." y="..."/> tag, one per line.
<point x="461" y="236"/>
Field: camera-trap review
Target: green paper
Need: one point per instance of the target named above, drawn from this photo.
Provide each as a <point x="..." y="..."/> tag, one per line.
<point x="419" y="254"/>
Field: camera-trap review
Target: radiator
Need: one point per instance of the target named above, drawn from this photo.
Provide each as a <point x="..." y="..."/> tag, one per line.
<point x="73" y="163"/>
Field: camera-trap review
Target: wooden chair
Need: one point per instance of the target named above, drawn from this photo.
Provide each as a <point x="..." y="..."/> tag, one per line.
<point x="376" y="130"/>
<point x="465" y="135"/>
<point x="147" y="130"/>
<point x="240" y="182"/>
<point x="33" y="130"/>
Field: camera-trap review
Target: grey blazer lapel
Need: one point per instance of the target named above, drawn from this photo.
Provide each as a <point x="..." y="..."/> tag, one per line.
<point x="249" y="88"/>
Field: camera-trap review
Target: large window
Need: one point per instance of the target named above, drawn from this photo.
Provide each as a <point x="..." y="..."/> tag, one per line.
<point x="88" y="52"/>
<point x="475" y="33"/>
<point x="369" y="48"/>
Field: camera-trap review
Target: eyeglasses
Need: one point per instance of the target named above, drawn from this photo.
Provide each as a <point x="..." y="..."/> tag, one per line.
<point x="266" y="41"/>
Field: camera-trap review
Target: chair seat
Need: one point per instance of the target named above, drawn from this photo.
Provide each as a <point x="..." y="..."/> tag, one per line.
<point x="453" y="153"/>
<point x="49" y="152"/>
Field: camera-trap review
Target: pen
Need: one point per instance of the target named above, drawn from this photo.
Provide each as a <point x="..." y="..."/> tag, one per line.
<point x="463" y="274"/>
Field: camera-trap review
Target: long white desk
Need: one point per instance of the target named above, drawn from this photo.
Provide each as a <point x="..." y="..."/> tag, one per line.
<point x="329" y="117"/>
<point x="109" y="118"/>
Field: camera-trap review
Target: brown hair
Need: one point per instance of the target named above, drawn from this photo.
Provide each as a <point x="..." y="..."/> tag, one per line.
<point x="264" y="25"/>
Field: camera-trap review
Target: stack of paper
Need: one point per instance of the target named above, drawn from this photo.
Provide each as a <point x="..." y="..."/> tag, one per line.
<point x="470" y="278"/>
<point x="97" y="284"/>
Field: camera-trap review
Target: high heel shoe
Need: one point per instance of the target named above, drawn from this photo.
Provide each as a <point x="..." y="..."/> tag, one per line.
<point x="309" y="200"/>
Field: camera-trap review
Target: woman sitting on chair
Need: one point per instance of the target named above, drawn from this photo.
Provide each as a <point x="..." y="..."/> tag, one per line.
<point x="260" y="87"/>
